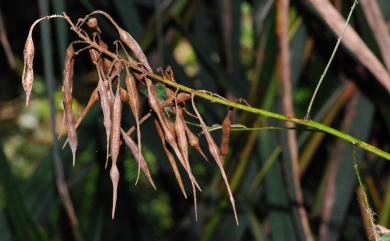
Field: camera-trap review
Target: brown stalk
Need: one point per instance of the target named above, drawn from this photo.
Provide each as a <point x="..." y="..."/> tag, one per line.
<point x="171" y="159"/>
<point x="352" y="41"/>
<point x="67" y="100"/>
<point x="5" y="43"/>
<point x="214" y="151"/>
<point x="115" y="144"/>
<point x="287" y="102"/>
<point x="378" y="26"/>
<point x="138" y="156"/>
<point x="134" y="102"/>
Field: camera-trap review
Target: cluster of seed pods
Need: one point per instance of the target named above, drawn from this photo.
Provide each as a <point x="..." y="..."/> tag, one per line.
<point x="168" y="114"/>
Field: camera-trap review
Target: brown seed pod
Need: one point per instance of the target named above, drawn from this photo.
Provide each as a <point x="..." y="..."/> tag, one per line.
<point x="105" y="105"/>
<point x="138" y="156"/>
<point x="28" y="71"/>
<point x="181" y="133"/>
<point x="134" y="102"/>
<point x="183" y="146"/>
<point x="67" y="99"/>
<point x="114" y="175"/>
<point x="226" y="128"/>
<point x="92" y="100"/>
<point x="171" y="159"/>
<point x="214" y="151"/>
<point x="129" y="41"/>
<point x="116" y="125"/>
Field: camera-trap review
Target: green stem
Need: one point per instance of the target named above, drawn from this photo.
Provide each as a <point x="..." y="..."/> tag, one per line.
<point x="309" y="123"/>
<point x="330" y="61"/>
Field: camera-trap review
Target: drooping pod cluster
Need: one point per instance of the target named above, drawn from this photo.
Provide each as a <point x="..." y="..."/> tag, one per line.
<point x="118" y="83"/>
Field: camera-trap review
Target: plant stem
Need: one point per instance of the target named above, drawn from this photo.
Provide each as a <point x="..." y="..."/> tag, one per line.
<point x="309" y="123"/>
<point x="216" y="99"/>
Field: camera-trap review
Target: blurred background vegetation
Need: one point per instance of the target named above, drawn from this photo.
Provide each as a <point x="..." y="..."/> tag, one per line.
<point x="230" y="48"/>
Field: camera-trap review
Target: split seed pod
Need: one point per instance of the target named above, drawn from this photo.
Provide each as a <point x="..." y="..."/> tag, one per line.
<point x="214" y="151"/>
<point x="67" y="99"/>
<point x="28" y="71"/>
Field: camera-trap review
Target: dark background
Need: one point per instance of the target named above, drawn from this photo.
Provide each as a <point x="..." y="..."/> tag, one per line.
<point x="227" y="47"/>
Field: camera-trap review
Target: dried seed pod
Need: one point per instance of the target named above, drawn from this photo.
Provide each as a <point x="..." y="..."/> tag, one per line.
<point x="214" y="151"/>
<point x="138" y="156"/>
<point x="114" y="175"/>
<point x="28" y="71"/>
<point x="194" y="142"/>
<point x="105" y="105"/>
<point x="226" y="128"/>
<point x="134" y="102"/>
<point x="92" y="100"/>
<point x="171" y="159"/>
<point x="67" y="99"/>
<point x="183" y="146"/>
<point x="116" y="126"/>
<point x="129" y="41"/>
<point x="181" y="133"/>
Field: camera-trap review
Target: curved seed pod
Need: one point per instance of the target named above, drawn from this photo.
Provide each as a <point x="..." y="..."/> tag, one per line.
<point x="129" y="41"/>
<point x="116" y="126"/>
<point x="67" y="99"/>
<point x="134" y="102"/>
<point x="114" y="175"/>
<point x="105" y="105"/>
<point x="28" y="71"/>
<point x="214" y="151"/>
<point x="171" y="159"/>
<point x="226" y="128"/>
<point x="138" y="156"/>
<point x="194" y="142"/>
